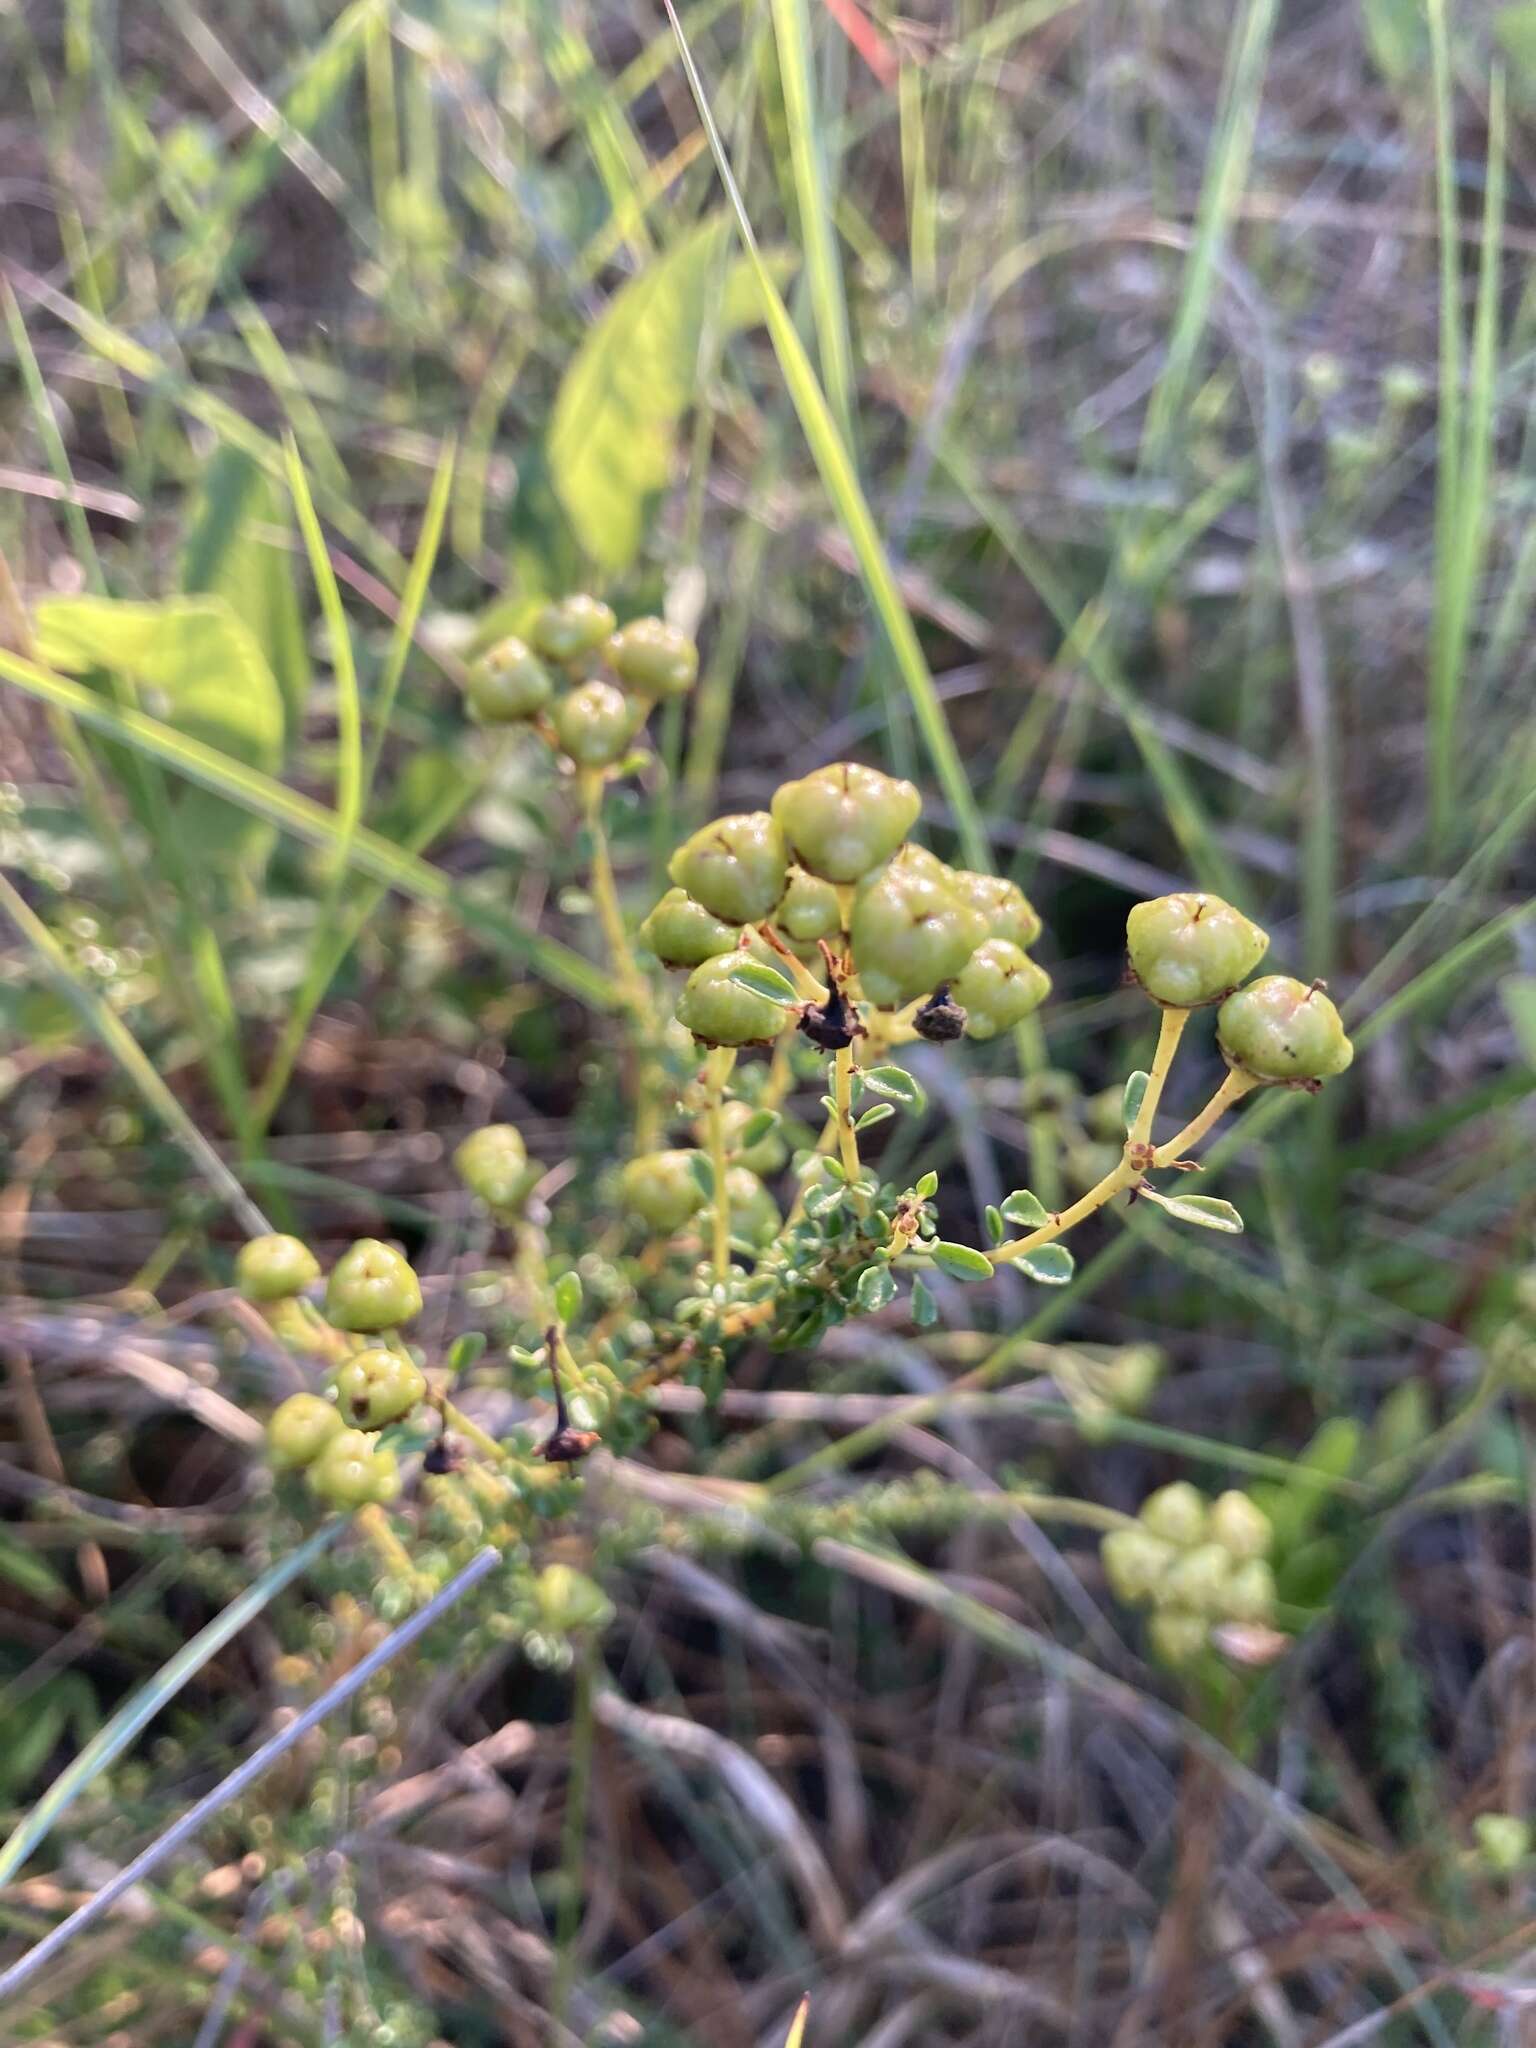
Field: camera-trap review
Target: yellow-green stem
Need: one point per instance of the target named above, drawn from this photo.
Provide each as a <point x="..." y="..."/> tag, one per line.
<point x="842" y="1095"/>
<point x="605" y="895"/>
<point x="374" y="1524"/>
<point x="1170" y="1031"/>
<point x="1124" y="1176"/>
<point x="1232" y="1090"/>
<point x="717" y="1074"/>
<point x="473" y="1433"/>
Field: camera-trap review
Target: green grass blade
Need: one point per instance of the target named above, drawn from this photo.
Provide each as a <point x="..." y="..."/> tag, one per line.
<point x="412" y="600"/>
<point x="135" y="1714"/>
<point x="312" y="822"/>
<point x="1466" y="434"/>
<point x="841" y="482"/>
<point x="349" y="717"/>
<point x="818" y="239"/>
<point x="114" y="1034"/>
<point x="1226" y="173"/>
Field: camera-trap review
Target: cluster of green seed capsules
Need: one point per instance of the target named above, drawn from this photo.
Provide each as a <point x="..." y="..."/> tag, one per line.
<point x="1190" y="949"/>
<point x="332" y="1437"/>
<point x="586" y="682"/>
<point x="828" y="870"/>
<point x="1196" y="1564"/>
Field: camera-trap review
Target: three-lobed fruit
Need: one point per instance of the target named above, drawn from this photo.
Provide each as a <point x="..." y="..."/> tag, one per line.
<point x="719" y="1011"/>
<point x="508" y="683"/>
<point x="1135" y="1563"/>
<point x="572" y="626"/>
<point x="998" y="987"/>
<point x="844" y="819"/>
<point x="653" y="658"/>
<point x="275" y="1267"/>
<point x="594" y="723"/>
<point x="1176" y="1513"/>
<point x="354" y="1472"/>
<point x="1009" y="913"/>
<point x="736" y="866"/>
<point x="1190" y="949"/>
<point x="682" y="933"/>
<point x="1278" y="1029"/>
<point x="662" y="1189"/>
<point x="910" y="932"/>
<point x="1240" y="1526"/>
<point x="809" y="908"/>
<point x="372" y="1287"/>
<point x="1177" y="1636"/>
<point x="299" y="1430"/>
<point x="493" y="1164"/>
<point x="376" y="1387"/>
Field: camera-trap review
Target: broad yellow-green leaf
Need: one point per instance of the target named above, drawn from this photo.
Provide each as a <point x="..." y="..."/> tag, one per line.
<point x="235" y="551"/>
<point x="1514" y="29"/>
<point x="1397" y="36"/>
<point x="613" y="434"/>
<point x="201" y="667"/>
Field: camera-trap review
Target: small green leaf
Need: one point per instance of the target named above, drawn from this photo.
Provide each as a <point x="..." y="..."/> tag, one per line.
<point x="764" y="980"/>
<point x="465" y="1351"/>
<point x="829" y="1106"/>
<point x="876" y="1289"/>
<point x="875" y="1115"/>
<point x="898" y="1085"/>
<point x="757" y="1127"/>
<point x="960" y="1261"/>
<point x="925" y="1310"/>
<point x="1517" y="992"/>
<point x="927" y="1187"/>
<point x="1207" y="1210"/>
<point x="1025" y="1209"/>
<point x="996" y="1229"/>
<point x="1051" y="1264"/>
<point x="703" y="1173"/>
<point x="823" y="1201"/>
<point x="1135" y="1091"/>
<point x="568" y="1297"/>
<point x="834" y="1169"/>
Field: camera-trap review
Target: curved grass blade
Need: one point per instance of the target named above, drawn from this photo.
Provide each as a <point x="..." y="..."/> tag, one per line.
<point x="135" y="1714"/>
<point x="311" y="821"/>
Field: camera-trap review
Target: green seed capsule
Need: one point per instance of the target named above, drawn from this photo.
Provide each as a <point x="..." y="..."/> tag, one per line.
<point x="275" y="1267"/>
<point x="508" y="683"/>
<point x="299" y="1430"/>
<point x="1131" y="1376"/>
<point x="808" y="910"/>
<point x="1176" y="1513"/>
<point x="377" y="1387"/>
<point x="1009" y="913"/>
<point x="1135" y="1563"/>
<point x="736" y="867"/>
<point x="1191" y="949"/>
<point x="571" y="627"/>
<point x="1251" y="1592"/>
<point x="1198" y="1581"/>
<point x="354" y="1472"/>
<point x="594" y="724"/>
<point x="754" y="1213"/>
<point x="768" y="1155"/>
<point x="493" y="1164"/>
<point x="1177" y="1639"/>
<point x="372" y="1287"/>
<point x="653" y="658"/>
<point x="1503" y="1842"/>
<point x="998" y="987"/>
<point x="845" y="819"/>
<point x="682" y="933"/>
<point x="910" y="931"/>
<point x="568" y="1599"/>
<point x="720" y="1012"/>
<point x="662" y="1190"/>
<point x="1278" y="1029"/>
<point x="1240" y="1526"/>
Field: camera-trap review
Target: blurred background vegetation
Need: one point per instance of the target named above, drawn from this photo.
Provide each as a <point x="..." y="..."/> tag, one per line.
<point x="1183" y="358"/>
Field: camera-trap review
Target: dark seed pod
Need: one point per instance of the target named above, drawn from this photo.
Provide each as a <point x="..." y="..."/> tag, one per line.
<point x="442" y="1457"/>
<point x="831" y="1025"/>
<point x="941" y="1021"/>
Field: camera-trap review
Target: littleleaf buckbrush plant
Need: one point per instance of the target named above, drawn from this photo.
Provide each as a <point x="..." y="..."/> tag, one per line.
<point x="811" y="938"/>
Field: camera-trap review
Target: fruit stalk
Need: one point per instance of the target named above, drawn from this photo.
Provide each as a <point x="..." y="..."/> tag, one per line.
<point x="842" y="1095"/>
<point x="1170" y="1031"/>
<point x="1232" y="1090"/>
<point x="717" y="1074"/>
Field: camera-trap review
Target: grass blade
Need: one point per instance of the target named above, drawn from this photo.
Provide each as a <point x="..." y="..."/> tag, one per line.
<point x="310" y="821"/>
<point x="823" y="270"/>
<point x="842" y="485"/>
<point x="135" y="1714"/>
